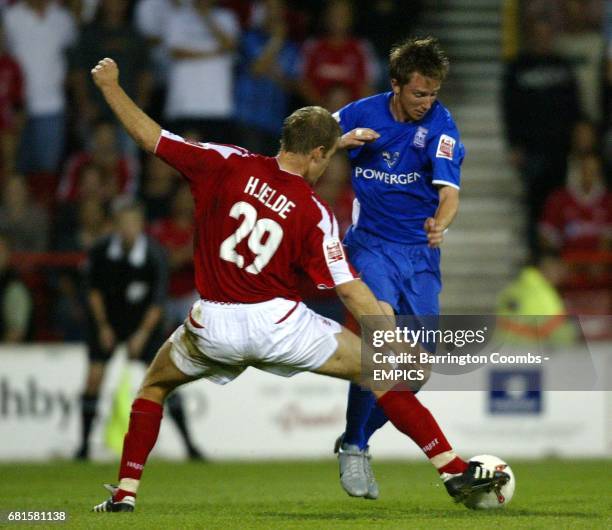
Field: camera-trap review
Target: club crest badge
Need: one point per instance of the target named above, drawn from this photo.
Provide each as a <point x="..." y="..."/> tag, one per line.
<point x="390" y="158"/>
<point x="419" y="137"/>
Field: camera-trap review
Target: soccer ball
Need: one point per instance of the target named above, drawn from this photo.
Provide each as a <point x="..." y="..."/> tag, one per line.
<point x="496" y="497"/>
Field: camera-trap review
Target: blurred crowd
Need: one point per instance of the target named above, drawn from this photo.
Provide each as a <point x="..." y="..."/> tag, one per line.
<point x="224" y="71"/>
<point x="229" y="71"/>
<point x="557" y="109"/>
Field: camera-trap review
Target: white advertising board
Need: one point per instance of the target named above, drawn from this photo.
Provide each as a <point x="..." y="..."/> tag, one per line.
<point x="264" y="416"/>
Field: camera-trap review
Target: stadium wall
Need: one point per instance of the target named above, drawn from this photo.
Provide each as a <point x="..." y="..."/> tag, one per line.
<point x="260" y="416"/>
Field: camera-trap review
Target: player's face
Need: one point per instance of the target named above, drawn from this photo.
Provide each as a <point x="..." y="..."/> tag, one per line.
<point x="318" y="164"/>
<point x="416" y="97"/>
<point x="129" y="224"/>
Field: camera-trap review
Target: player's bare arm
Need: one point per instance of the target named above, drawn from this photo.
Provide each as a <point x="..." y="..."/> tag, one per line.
<point x="445" y="214"/>
<point x="144" y="131"/>
<point x="357" y="137"/>
<point x="359" y="300"/>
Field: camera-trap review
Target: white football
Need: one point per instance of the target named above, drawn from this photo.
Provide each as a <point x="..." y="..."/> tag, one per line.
<point x="497" y="497"/>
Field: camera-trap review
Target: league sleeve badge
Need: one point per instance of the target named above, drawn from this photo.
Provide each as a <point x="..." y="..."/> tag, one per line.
<point x="333" y="250"/>
<point x="446" y="147"/>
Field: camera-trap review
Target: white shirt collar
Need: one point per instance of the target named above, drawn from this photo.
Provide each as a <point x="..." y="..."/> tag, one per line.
<point x="138" y="252"/>
<point x="286" y="170"/>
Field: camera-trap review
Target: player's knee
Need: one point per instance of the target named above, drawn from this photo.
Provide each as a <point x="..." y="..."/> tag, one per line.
<point x="154" y="386"/>
<point x="162" y="377"/>
<point x="153" y="392"/>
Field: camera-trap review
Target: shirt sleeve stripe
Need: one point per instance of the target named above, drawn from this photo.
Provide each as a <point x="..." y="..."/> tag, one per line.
<point x="446" y="183"/>
<point x="158" y="140"/>
<point x="339" y="268"/>
<point x="224" y="150"/>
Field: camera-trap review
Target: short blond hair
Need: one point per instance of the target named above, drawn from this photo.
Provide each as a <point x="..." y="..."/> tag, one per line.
<point x="308" y="128"/>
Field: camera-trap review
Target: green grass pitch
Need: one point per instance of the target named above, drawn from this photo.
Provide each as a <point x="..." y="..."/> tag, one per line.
<point x="304" y="495"/>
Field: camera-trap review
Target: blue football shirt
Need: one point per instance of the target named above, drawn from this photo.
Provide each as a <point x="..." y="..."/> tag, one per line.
<point x="395" y="178"/>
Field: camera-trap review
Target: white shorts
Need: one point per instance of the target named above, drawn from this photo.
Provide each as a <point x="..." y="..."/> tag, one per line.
<point x="284" y="337"/>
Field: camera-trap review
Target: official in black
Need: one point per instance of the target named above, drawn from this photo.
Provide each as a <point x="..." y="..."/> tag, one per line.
<point x="126" y="278"/>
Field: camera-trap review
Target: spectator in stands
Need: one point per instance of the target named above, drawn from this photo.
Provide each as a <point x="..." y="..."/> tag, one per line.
<point x="80" y="225"/>
<point x="72" y="216"/>
<point x="582" y="44"/>
<point x="11" y="103"/>
<point x="540" y="107"/>
<point x="93" y="223"/>
<point x="175" y="233"/>
<point x="38" y="33"/>
<point x="150" y="19"/>
<point x="201" y="38"/>
<point x="385" y="23"/>
<point x="338" y="58"/>
<point x="267" y="70"/>
<point x="110" y="34"/>
<point x="297" y="16"/>
<point x="608" y="111"/>
<point x="337" y="97"/>
<point x="579" y="215"/>
<point x="160" y="182"/>
<point x="15" y="299"/>
<point x="21" y="219"/>
<point x="607" y="15"/>
<point x="127" y="274"/>
<point x="244" y="11"/>
<point x="119" y="170"/>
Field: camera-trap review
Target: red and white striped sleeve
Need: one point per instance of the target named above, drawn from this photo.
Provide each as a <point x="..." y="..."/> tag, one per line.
<point x="194" y="159"/>
<point x="324" y="257"/>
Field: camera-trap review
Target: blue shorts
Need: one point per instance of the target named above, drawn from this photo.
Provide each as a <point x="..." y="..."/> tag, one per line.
<point x="405" y="276"/>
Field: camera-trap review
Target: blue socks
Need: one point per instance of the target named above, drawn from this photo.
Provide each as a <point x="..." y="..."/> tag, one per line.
<point x="363" y="417"/>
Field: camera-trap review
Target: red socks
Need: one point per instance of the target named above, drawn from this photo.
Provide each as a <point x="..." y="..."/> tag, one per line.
<point x="413" y="419"/>
<point x="456" y="465"/>
<point x="140" y="439"/>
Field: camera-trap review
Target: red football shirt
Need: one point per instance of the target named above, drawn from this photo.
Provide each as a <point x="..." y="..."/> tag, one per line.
<point x="126" y="171"/>
<point x="256" y="225"/>
<point x="348" y="65"/>
<point x="577" y="223"/>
